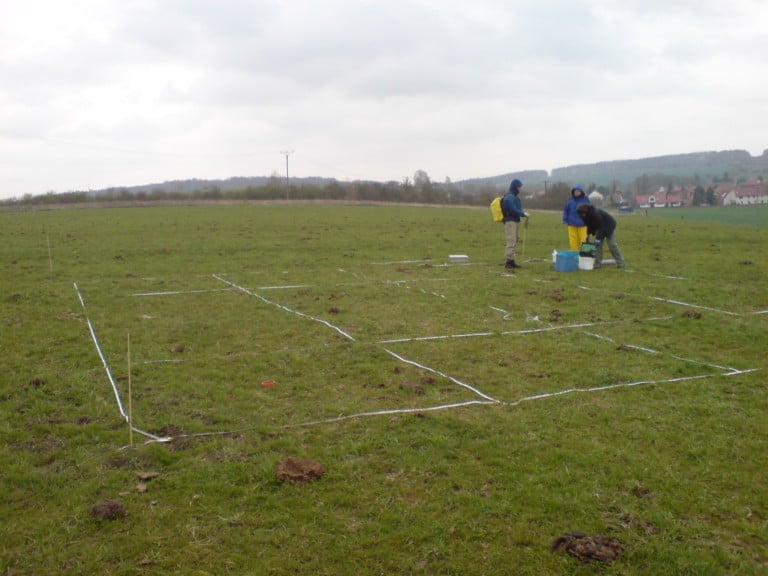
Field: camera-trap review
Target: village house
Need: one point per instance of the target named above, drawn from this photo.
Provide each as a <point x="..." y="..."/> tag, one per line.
<point x="744" y="194"/>
<point x="663" y="198"/>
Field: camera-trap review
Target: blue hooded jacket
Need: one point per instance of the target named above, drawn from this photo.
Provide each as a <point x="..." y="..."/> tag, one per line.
<point x="570" y="212"/>
<point x="510" y="203"/>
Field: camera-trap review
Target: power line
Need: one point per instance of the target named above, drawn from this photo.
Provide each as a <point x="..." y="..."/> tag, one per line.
<point x="287" y="179"/>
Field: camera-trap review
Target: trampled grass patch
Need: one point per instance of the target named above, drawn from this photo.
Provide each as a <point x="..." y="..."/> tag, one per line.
<point x="465" y="417"/>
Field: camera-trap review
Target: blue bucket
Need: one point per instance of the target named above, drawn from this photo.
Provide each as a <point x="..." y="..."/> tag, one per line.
<point x="567" y="261"/>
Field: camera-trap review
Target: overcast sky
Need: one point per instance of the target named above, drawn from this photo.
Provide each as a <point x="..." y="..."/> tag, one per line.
<point x="101" y="93"/>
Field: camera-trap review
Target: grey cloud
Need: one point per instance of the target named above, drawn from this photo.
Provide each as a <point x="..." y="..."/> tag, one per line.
<point x="455" y="87"/>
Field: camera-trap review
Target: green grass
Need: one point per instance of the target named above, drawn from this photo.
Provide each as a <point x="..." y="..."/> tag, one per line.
<point x="465" y="417"/>
<point x="738" y="215"/>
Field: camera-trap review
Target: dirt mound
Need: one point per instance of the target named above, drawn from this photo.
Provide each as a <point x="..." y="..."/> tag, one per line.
<point x="585" y="548"/>
<point x="108" y="510"/>
<point x="298" y="471"/>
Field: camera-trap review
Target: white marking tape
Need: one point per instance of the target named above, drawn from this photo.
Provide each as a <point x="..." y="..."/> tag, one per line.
<point x="285" y="287"/>
<point x="693" y="306"/>
<point x="679" y="303"/>
<point x="176" y="292"/>
<point x="401" y="262"/>
<point x="623" y="385"/>
<point x="107" y="369"/>
<point x="265" y="300"/>
<point x="445" y="337"/>
<point x="101" y="355"/>
<point x="393" y="411"/>
<point x="431" y="293"/>
<point x="395" y="282"/>
<point x="486" y="399"/>
<point x="666" y="276"/>
<point x="386" y="412"/>
<point x="159" y="362"/>
<point x="601" y="388"/>
<point x="454" y="405"/>
<point x="451" y="378"/>
<point x="652" y="351"/>
<point x="485" y="334"/>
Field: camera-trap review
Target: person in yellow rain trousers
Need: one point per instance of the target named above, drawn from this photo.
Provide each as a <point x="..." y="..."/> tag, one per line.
<point x="577" y="230"/>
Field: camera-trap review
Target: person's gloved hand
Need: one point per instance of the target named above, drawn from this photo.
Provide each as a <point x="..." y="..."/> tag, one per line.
<point x="597" y="243"/>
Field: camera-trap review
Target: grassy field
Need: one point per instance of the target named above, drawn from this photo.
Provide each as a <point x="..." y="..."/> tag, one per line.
<point x="464" y="417"/>
<point x="738" y="215"/>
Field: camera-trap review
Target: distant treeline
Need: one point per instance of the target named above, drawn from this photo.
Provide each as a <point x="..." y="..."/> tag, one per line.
<point x="620" y="179"/>
<point x="360" y="191"/>
<point x="553" y="197"/>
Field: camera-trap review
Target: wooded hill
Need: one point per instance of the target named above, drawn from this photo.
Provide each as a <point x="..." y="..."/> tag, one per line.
<point x="683" y="169"/>
<point x="631" y="176"/>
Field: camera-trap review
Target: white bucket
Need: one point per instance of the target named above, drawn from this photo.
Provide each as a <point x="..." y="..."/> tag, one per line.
<point x="586" y="263"/>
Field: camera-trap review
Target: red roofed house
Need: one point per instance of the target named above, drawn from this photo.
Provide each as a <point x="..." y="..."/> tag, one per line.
<point x="746" y="193"/>
<point x="662" y="199"/>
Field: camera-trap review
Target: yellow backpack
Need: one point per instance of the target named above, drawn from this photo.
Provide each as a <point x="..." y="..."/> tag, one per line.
<point x="496" y="212"/>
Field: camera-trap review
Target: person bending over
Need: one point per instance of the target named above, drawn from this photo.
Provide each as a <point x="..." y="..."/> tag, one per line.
<point x="603" y="226"/>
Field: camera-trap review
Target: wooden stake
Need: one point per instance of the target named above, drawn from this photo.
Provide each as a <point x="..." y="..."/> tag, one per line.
<point x="130" y="395"/>
<point x="50" y="258"/>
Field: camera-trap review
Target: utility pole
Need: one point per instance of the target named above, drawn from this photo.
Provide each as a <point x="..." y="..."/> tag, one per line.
<point x="287" y="179"/>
